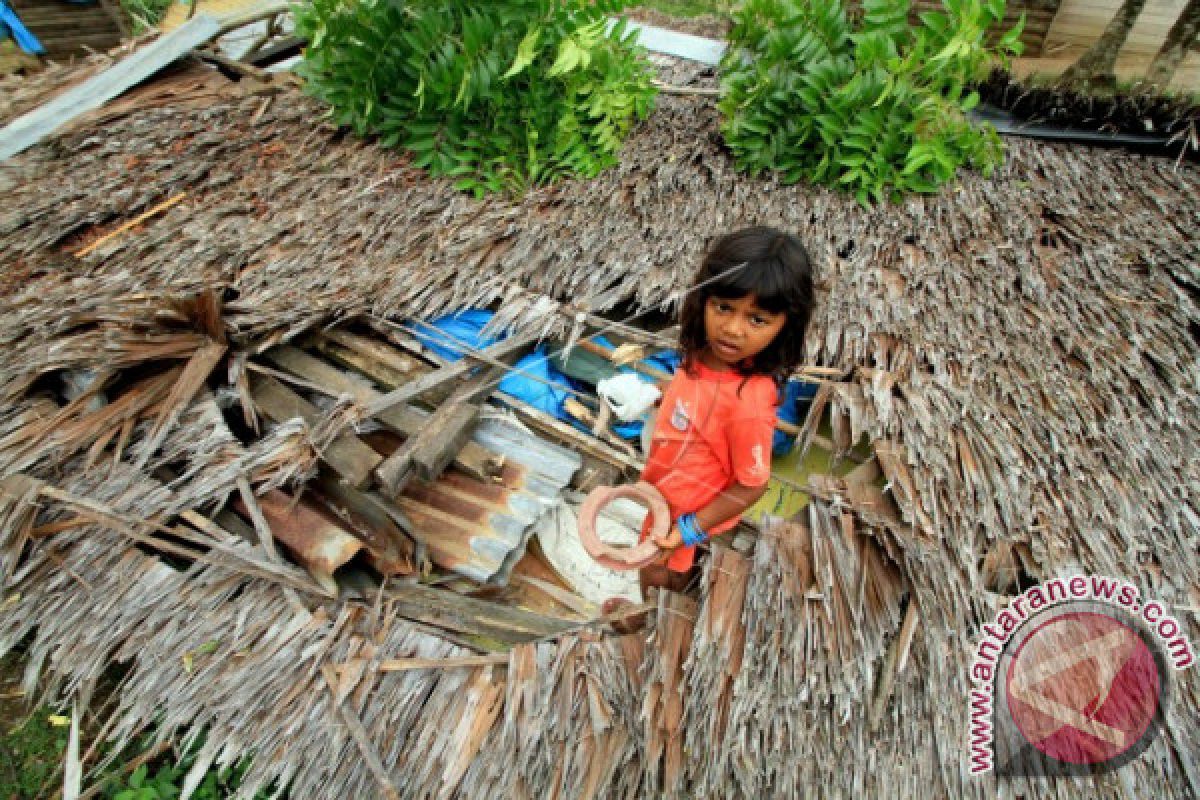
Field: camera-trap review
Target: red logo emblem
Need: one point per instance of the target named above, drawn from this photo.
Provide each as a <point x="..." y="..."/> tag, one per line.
<point x="1083" y="688"/>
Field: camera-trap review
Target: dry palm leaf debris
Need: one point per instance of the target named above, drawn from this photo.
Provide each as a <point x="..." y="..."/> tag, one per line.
<point x="1022" y="358"/>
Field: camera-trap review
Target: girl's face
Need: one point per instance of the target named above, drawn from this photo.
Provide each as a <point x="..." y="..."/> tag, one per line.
<point x="737" y="329"/>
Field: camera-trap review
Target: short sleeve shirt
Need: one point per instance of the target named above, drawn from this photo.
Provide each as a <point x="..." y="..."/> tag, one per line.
<point x="714" y="430"/>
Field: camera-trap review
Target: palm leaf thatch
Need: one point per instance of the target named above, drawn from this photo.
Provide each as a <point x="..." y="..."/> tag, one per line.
<point x="1021" y="355"/>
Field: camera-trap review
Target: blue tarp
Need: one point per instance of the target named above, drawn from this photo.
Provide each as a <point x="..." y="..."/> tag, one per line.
<point x="10" y="22"/>
<point x="455" y="334"/>
<point x="525" y="383"/>
<point x="797" y="397"/>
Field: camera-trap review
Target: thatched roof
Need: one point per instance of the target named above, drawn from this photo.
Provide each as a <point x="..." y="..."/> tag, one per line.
<point x="1022" y="353"/>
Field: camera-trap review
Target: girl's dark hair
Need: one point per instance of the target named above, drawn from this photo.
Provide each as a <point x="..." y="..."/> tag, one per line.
<point x="774" y="267"/>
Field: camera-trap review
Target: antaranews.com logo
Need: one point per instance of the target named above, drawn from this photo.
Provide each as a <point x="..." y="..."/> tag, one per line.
<point x="1071" y="679"/>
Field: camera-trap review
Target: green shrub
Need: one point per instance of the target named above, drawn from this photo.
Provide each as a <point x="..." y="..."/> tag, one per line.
<point x="872" y="103"/>
<point x="501" y="95"/>
<point x="162" y="779"/>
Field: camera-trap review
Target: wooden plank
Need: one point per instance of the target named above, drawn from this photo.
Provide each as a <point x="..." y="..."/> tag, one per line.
<point x="377" y="350"/>
<point x="367" y="518"/>
<point x="348" y="455"/>
<point x="501" y="624"/>
<point x="471" y="458"/>
<point x="500" y="353"/>
<point x="318" y="372"/>
<point x="29" y="129"/>
<point x="388" y="366"/>
<point x="428" y="452"/>
<point x="444" y="433"/>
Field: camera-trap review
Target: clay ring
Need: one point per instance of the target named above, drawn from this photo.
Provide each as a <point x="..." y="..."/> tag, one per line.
<point x="623" y="558"/>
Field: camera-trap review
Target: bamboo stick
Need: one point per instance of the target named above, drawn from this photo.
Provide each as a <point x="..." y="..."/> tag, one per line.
<point x="133" y="223"/>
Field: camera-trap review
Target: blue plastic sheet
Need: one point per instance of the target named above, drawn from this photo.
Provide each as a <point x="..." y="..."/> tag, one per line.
<point x="25" y="40"/>
<point x="797" y="397"/>
<point x="528" y="382"/>
<point x="453" y="335"/>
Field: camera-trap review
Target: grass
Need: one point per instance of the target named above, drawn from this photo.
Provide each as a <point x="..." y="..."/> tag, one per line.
<point x="30" y="754"/>
<point x="32" y="745"/>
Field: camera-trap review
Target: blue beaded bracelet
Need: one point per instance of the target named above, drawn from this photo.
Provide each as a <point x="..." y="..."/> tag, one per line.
<point x="691" y="532"/>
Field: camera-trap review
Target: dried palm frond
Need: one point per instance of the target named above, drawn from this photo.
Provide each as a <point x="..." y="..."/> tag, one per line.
<point x="1021" y="353"/>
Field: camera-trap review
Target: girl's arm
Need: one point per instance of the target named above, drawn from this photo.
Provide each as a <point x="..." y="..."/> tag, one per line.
<point x="728" y="504"/>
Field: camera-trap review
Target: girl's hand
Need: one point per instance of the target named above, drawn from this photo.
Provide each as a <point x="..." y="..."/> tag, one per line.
<point x="670" y="540"/>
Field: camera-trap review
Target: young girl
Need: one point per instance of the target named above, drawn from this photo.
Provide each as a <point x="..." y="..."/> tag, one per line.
<point x="742" y="333"/>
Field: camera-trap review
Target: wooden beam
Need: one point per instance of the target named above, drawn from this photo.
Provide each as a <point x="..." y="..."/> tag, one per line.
<point x="475" y="460"/>
<point x="443" y="434"/>
<point x="499" y="354"/>
<point x="348" y="455"/>
<point x="382" y="362"/>
<point x="501" y="624"/>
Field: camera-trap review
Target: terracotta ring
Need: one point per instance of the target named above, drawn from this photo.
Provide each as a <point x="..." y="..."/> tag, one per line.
<point x="623" y="558"/>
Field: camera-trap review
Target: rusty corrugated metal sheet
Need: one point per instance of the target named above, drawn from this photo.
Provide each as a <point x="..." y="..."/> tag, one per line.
<point x="477" y="529"/>
<point x="308" y="532"/>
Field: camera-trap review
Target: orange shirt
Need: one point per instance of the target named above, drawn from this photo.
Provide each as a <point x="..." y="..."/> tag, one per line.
<point x="713" y="430"/>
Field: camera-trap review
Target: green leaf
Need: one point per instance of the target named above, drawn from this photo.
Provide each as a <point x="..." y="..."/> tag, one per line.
<point x="526" y="52"/>
<point x="569" y="58"/>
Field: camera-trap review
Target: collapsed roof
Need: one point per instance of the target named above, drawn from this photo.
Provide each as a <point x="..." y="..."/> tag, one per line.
<point x="1020" y="353"/>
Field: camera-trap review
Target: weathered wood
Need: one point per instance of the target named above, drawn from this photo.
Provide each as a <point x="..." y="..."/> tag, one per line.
<point x="394" y="551"/>
<point x="29" y="129"/>
<point x="319" y="373"/>
<point x="499" y="354"/>
<point x="381" y="362"/>
<point x="443" y="434"/>
<point x="492" y="621"/>
<point x="348" y="455"/>
<point x="473" y="459"/>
